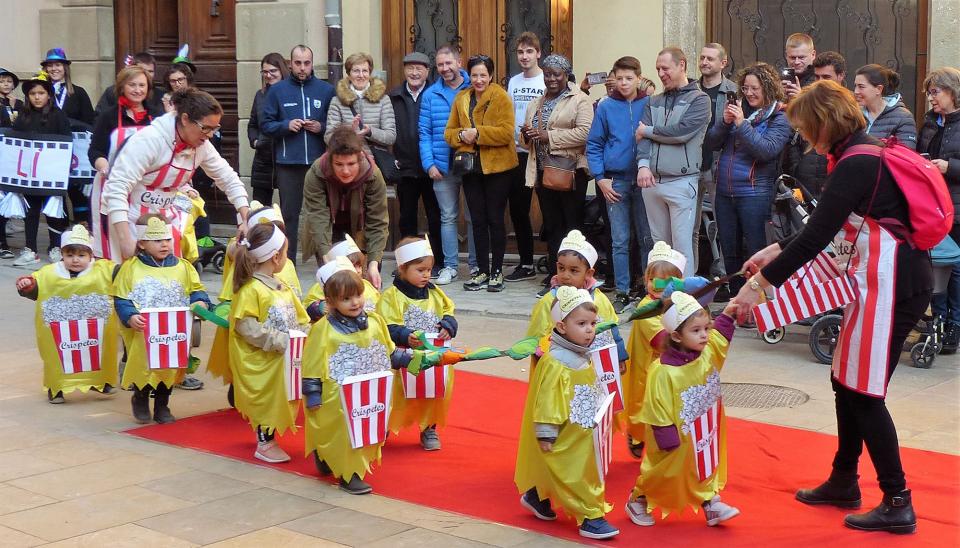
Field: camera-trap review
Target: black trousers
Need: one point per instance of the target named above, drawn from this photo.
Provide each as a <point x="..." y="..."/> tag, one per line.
<point x="410" y="191"/>
<point x="31" y="224"/>
<point x="562" y="212"/>
<point x="263" y="195"/>
<point x="79" y="203"/>
<point x="520" y="198"/>
<point x="290" y="184"/>
<point x="865" y="420"/>
<point x="487" y="199"/>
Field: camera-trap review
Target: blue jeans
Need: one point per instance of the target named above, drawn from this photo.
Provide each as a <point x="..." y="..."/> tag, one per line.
<point x="947" y="305"/>
<point x="741" y="229"/>
<point x="447" y="191"/>
<point x="628" y="212"/>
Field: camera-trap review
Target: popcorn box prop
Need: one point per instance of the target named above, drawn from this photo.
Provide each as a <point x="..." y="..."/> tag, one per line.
<point x="606" y="361"/>
<point x="366" y="407"/>
<point x="603" y="437"/>
<point x="292" y="359"/>
<point x="79" y="343"/>
<point x="431" y="383"/>
<point x="818" y="287"/>
<point x="705" y="435"/>
<point x="167" y="337"/>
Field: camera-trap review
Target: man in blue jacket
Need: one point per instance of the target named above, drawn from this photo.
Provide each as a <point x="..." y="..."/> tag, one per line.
<point x="294" y="112"/>
<point x="435" y="106"/>
<point x="611" y="153"/>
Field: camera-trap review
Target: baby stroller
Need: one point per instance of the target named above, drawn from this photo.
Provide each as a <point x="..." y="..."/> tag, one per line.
<point x="212" y="253"/>
<point x="710" y="253"/>
<point x="944" y="257"/>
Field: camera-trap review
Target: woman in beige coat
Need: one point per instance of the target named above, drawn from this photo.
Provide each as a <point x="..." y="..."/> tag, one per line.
<point x="363" y="102"/>
<point x="557" y="124"/>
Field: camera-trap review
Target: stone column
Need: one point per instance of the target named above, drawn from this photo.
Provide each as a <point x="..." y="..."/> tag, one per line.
<point x="84" y="29"/>
<point x="684" y="27"/>
<point x="944" y="50"/>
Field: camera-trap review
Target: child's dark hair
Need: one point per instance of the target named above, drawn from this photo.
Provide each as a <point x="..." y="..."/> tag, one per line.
<point x="244" y="262"/>
<point x="75" y="248"/>
<point x="409" y="240"/>
<point x="577" y="254"/>
<point x="195" y="104"/>
<point x="668" y="342"/>
<point x="279" y="224"/>
<point x="343" y="285"/>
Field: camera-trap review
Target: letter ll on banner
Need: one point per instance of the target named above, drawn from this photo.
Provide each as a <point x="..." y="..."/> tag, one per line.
<point x="606" y="361"/>
<point x="292" y="359"/>
<point x="819" y="286"/>
<point x="79" y="344"/>
<point x="366" y="407"/>
<point x="603" y="437"/>
<point x="167" y="337"/>
<point x="431" y="383"/>
<point x="705" y="436"/>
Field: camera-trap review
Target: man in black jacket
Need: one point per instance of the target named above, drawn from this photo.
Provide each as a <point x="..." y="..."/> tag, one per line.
<point x="415" y="184"/>
<point x="809" y="168"/>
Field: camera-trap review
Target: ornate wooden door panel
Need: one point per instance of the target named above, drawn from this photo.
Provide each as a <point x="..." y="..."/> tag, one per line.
<point x="887" y="32"/>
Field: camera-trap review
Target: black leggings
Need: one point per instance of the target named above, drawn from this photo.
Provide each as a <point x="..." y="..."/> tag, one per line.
<point x="520" y="197"/>
<point x="863" y="419"/>
<point x="290" y="185"/>
<point x="487" y="199"/>
<point x="32" y="224"/>
<point x="410" y="192"/>
<point x="562" y="212"/>
<point x="79" y="203"/>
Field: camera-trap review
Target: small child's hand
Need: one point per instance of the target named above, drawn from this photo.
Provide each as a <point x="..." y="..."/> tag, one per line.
<point x="413" y="341"/>
<point x="623" y="368"/>
<point x="193" y="194"/>
<point x="444" y="335"/>
<point x="732" y="309"/>
<point x="26" y="283"/>
<point x="205" y="305"/>
<point x="545" y="446"/>
<point x="137" y="322"/>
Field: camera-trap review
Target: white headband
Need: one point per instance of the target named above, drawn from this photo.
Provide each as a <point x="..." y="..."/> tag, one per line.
<point x="332" y="267"/>
<point x="568" y="299"/>
<point x="576" y="241"/>
<point x="413" y="251"/>
<point x="268" y="249"/>
<point x="683" y="307"/>
<point x="344" y="248"/>
<point x="264" y="216"/>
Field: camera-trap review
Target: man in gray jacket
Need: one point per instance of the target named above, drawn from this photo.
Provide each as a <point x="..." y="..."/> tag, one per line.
<point x="669" y="153"/>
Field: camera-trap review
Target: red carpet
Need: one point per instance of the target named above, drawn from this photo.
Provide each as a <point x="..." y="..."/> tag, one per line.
<point x="473" y="475"/>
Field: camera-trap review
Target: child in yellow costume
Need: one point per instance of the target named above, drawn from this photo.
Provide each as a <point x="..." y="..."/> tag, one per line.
<point x="263" y="313"/>
<point x="155" y="278"/>
<point x="218" y="365"/>
<point x="575" y="260"/>
<point x="75" y="289"/>
<point x="646" y="335"/>
<point x="686" y="444"/>
<point x="314" y="301"/>
<point x="346" y="341"/>
<point x="555" y="457"/>
<point x="413" y="304"/>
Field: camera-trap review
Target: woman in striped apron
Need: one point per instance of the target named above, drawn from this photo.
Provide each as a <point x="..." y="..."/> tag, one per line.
<point x="863" y="212"/>
<point x="154" y="163"/>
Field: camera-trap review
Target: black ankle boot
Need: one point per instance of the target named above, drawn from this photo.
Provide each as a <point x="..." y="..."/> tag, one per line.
<point x="140" y="402"/>
<point x="893" y="515"/>
<point x="842" y="494"/>
<point x="161" y="406"/>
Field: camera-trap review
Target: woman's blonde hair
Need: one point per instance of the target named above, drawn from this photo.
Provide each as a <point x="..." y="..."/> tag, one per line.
<point x="129" y="73"/>
<point x="356" y="59"/>
<point x="825" y="111"/>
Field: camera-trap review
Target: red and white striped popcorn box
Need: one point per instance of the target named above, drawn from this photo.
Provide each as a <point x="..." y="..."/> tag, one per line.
<point x="431" y="383"/>
<point x="79" y="344"/>
<point x="818" y="287"/>
<point x="603" y="437"/>
<point x="292" y="360"/>
<point x="167" y="337"/>
<point x="606" y="361"/>
<point x="366" y="407"/>
<point x="705" y="436"/>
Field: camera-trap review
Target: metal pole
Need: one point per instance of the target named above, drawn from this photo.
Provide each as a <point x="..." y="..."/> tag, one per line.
<point x="334" y="22"/>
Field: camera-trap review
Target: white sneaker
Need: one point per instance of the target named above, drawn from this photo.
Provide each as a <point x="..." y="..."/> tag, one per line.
<point x="638" y="513"/>
<point x="27" y="257"/>
<point x="717" y="512"/>
<point x="447" y="275"/>
<point x="270" y="452"/>
<point x="55" y="255"/>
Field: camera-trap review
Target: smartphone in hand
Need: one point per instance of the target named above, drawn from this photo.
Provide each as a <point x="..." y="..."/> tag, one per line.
<point x="595" y="78"/>
<point x="731" y="97"/>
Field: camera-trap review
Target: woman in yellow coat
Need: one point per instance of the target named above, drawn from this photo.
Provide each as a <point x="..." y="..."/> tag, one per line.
<point x="264" y="314"/>
<point x="345" y="342"/>
<point x="315" y="303"/>
<point x="555" y="457"/>
<point x="155" y="278"/>
<point x="76" y="289"/>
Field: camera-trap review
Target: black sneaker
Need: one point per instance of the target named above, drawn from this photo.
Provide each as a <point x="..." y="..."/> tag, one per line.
<point x="477" y="282"/>
<point x="495" y="285"/>
<point x="723" y="294"/>
<point x="620" y="301"/>
<point x="520" y="273"/>
<point x="355" y="486"/>
<point x="543" y="291"/>
<point x="540" y="508"/>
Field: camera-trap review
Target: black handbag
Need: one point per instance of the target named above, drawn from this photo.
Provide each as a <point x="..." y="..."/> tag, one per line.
<point x="466" y="162"/>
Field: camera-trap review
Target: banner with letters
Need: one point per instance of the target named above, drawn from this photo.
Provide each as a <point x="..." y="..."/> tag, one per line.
<point x="34" y="163"/>
<point x="80" y="167"/>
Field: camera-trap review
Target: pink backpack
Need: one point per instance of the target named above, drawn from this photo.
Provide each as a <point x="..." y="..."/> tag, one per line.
<point x="928" y="200"/>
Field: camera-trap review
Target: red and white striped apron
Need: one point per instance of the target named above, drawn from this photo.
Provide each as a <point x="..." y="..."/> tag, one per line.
<point x="861" y="359"/>
<point x="100" y="221"/>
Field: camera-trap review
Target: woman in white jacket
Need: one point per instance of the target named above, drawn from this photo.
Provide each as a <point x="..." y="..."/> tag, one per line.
<point x="159" y="160"/>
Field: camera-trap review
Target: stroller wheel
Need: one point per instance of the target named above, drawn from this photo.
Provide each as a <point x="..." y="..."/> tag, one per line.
<point x="217" y="261"/>
<point x="542" y="265"/>
<point x="774" y="335"/>
<point x="922" y="355"/>
<point x="824" y="335"/>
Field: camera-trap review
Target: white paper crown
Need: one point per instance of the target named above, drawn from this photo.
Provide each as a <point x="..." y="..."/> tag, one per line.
<point x="663" y="252"/>
<point x="332" y="267"/>
<point x="155" y="229"/>
<point x="78" y="235"/>
<point x="413" y="251"/>
<point x="269" y="248"/>
<point x="683" y="307"/>
<point x="568" y="298"/>
<point x="576" y="241"/>
<point x="343" y="249"/>
<point x="265" y="216"/>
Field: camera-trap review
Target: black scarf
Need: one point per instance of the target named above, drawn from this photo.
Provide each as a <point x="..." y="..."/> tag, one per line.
<point x="410" y="290"/>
